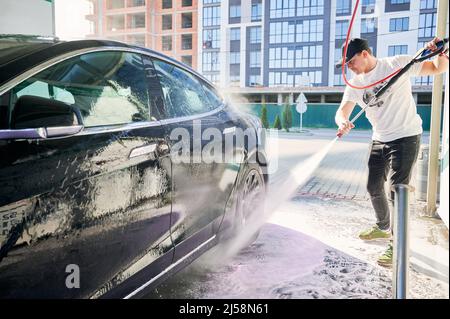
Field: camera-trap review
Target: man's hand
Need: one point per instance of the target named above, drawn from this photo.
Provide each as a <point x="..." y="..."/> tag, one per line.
<point x="436" y="66"/>
<point x="345" y="127"/>
<point x="432" y="44"/>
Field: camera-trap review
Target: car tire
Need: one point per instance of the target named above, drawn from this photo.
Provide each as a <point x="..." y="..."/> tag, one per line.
<point x="250" y="203"/>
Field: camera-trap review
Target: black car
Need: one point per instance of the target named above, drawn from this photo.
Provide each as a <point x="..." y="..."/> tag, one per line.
<point x="92" y="202"/>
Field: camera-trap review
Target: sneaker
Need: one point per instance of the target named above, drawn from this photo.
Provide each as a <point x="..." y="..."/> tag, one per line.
<point x="375" y="233"/>
<point x="385" y="260"/>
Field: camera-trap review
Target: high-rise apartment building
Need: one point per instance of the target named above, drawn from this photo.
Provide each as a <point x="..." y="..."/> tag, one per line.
<point x="266" y="43"/>
<point x="169" y="26"/>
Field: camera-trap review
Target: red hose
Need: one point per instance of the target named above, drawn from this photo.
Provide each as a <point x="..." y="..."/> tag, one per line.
<point x="345" y="54"/>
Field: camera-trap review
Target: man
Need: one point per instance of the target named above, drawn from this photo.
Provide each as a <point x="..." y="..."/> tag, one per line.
<point x="397" y="127"/>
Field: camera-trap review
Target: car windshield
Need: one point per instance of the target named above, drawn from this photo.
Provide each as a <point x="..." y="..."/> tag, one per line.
<point x="16" y="46"/>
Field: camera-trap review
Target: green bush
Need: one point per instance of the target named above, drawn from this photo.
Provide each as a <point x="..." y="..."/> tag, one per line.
<point x="263" y="117"/>
<point x="277" y="124"/>
<point x="287" y="117"/>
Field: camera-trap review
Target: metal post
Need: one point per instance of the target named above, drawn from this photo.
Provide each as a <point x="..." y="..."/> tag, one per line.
<point x="400" y="260"/>
<point x="435" y="129"/>
<point x="301" y="122"/>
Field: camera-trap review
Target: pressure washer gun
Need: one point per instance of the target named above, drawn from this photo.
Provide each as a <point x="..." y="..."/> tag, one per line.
<point x="421" y="56"/>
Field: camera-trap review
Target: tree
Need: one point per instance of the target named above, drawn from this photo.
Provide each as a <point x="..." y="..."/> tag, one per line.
<point x="277" y="124"/>
<point x="263" y="117"/>
<point x="287" y="117"/>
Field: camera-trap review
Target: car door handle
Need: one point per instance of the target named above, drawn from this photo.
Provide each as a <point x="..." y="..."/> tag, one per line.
<point x="229" y="130"/>
<point x="143" y="150"/>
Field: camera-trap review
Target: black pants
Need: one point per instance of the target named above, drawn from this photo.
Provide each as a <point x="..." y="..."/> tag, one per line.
<point x="394" y="161"/>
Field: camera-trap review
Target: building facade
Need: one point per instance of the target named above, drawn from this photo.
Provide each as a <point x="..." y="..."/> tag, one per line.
<point x="273" y="43"/>
<point x="169" y="26"/>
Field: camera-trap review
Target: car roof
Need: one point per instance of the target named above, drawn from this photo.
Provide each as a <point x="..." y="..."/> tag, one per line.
<point x="26" y="52"/>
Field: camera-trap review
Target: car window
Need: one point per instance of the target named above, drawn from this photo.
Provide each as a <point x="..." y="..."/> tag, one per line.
<point x="214" y="97"/>
<point x="183" y="93"/>
<point x="107" y="88"/>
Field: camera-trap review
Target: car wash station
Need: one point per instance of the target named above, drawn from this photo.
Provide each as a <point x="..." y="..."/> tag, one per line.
<point x="224" y="149"/>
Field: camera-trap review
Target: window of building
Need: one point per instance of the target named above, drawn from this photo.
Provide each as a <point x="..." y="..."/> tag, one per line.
<point x="255" y="80"/>
<point x="137" y="39"/>
<point x="281" y="79"/>
<point x="310" y="31"/>
<point x="397" y="50"/>
<point x="256" y="11"/>
<point x="235" y="11"/>
<point x="281" y="58"/>
<point x="282" y="8"/>
<point x="309" y="56"/>
<point x="214" y="78"/>
<point x="116" y="4"/>
<point x="255" y="35"/>
<point x="116" y="22"/>
<point x="428" y="4"/>
<point x="310" y="7"/>
<point x="315" y="77"/>
<point x="235" y="34"/>
<point x="339" y="79"/>
<point x="423" y="80"/>
<point x="399" y="1"/>
<point x="87" y="81"/>
<point x="186" y="42"/>
<point x="210" y="61"/>
<point x="368" y="25"/>
<point x="187" y="59"/>
<point x="166" y="43"/>
<point x="210" y="1"/>
<point x="211" y="39"/>
<point x="337" y="55"/>
<point x="255" y="59"/>
<point x="343" y="7"/>
<point x="167" y="22"/>
<point x="186" y="20"/>
<point x="186" y="3"/>
<point x="399" y="24"/>
<point x="182" y="91"/>
<point x="136" y="3"/>
<point x="282" y="32"/>
<point x="211" y="16"/>
<point x="137" y="20"/>
<point x="427" y="25"/>
<point x="341" y="29"/>
<point x="235" y="57"/>
<point x="235" y="79"/>
<point x="235" y="75"/>
<point x="368" y="6"/>
<point x="166" y="4"/>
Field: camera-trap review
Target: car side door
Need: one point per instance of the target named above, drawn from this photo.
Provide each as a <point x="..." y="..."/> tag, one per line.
<point x="202" y="178"/>
<point x="82" y="213"/>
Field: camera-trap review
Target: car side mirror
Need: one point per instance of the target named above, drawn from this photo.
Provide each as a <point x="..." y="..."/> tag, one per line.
<point x="35" y="112"/>
<point x="36" y="117"/>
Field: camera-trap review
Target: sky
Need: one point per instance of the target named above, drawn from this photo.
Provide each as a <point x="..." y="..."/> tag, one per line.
<point x="70" y="22"/>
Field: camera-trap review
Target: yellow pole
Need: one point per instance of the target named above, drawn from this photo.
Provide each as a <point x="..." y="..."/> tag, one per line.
<point x="435" y="126"/>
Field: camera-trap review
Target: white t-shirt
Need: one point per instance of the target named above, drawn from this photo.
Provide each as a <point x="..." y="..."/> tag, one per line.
<point x="394" y="115"/>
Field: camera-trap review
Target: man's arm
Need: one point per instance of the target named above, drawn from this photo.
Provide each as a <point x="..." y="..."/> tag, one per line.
<point x="437" y="66"/>
<point x="342" y="117"/>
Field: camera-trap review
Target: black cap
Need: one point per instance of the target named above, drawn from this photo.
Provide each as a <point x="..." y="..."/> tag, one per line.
<point x="355" y="46"/>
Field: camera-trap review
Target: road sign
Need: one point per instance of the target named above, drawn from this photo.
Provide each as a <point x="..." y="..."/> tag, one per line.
<point x="302" y="98"/>
<point x="301" y="108"/>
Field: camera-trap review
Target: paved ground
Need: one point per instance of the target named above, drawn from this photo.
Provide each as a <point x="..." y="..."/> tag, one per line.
<point x="308" y="246"/>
